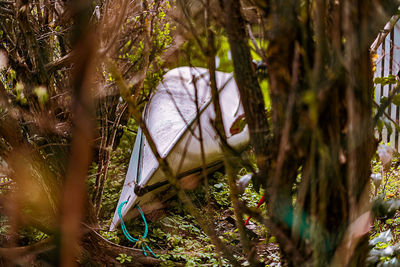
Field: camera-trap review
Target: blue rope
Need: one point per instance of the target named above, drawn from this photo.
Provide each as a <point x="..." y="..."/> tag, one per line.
<point x="131" y="238"/>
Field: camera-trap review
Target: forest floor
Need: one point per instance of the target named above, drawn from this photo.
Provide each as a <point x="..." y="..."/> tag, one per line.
<point x="179" y="239"/>
<point x="385" y="232"/>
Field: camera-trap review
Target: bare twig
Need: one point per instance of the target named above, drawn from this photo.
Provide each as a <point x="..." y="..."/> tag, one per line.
<point x="259" y="51"/>
<point x="120" y="111"/>
<point x="164" y="165"/>
<point x="385" y="104"/>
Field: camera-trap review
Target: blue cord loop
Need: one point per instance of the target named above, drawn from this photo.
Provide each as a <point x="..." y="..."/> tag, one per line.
<point x="131" y="238"/>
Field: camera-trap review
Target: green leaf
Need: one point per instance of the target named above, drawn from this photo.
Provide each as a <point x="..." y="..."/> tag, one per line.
<point x="384" y="99"/>
<point x="379" y="125"/>
<point x="397" y="127"/>
<point x="238" y="125"/>
<point x="391" y="79"/>
<point x="396" y="100"/>
<point x="378" y="80"/>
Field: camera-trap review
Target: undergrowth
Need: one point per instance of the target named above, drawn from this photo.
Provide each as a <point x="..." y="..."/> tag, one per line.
<point x="178" y="238"/>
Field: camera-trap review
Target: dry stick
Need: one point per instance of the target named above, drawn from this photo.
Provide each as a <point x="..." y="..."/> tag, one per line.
<point x="284" y="142"/>
<point x="103" y="167"/>
<point x="74" y="188"/>
<point x="210" y="231"/>
<point x="7" y="11"/>
<point x="385" y="104"/>
<point x="39" y="13"/>
<point x="203" y="159"/>
<point x="387" y="115"/>
<point x="102" y="151"/>
<point x="287" y="242"/>
<point x="164" y="166"/>
<point x="200" y="137"/>
<point x="107" y="159"/>
<point x="6" y="183"/>
<point x="181" y="115"/>
<point x="259" y="51"/>
<point x="360" y="139"/>
<point x="202" y="152"/>
<point x="30" y="38"/>
<point x="352" y="169"/>
<point x="60" y="63"/>
<point x="125" y="93"/>
<point x="108" y="246"/>
<point x="115" y="32"/>
<point x="382" y="35"/>
<point x="184" y="154"/>
<point x="217" y="110"/>
<point x="193" y="134"/>
<point x="234" y="193"/>
<point x="50" y="51"/>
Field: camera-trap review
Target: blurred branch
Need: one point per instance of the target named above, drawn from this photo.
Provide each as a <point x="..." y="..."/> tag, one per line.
<point x="118" y="19"/>
<point x="191" y="28"/>
<point x="210" y="54"/>
<point x="3" y="184"/>
<point x="13" y="254"/>
<point x="387" y="115"/>
<point x="74" y="195"/>
<point x="6" y="11"/>
<point x="64" y="61"/>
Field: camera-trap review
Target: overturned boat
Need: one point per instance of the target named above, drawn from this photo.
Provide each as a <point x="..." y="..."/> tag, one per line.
<point x="172" y="117"/>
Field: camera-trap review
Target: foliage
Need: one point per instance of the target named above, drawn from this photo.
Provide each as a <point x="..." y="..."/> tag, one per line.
<point x="124" y="258"/>
<point x="58" y="98"/>
<point x="41" y="47"/>
<point x="385" y="233"/>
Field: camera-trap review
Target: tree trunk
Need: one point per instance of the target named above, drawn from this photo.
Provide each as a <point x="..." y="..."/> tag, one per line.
<point x="322" y="129"/>
<point x="246" y="80"/>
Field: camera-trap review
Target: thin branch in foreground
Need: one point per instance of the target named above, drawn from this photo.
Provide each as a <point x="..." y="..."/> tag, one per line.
<point x="164" y="166"/>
